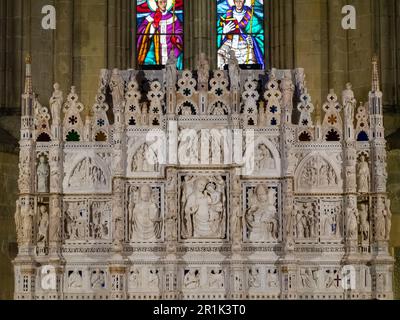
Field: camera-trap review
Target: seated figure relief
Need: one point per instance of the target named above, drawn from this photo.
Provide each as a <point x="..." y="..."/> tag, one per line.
<point x="261" y="216"/>
<point x="144" y="215"/>
<point x="203" y="207"/>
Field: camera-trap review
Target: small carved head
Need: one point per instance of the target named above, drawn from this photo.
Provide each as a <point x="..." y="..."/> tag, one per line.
<point x="43" y="209"/>
<point x="262" y="194"/>
<point x="145" y="193"/>
<point x="201" y="184"/>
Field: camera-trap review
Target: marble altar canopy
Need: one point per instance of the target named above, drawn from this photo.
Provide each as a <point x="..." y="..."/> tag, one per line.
<point x="203" y="185"/>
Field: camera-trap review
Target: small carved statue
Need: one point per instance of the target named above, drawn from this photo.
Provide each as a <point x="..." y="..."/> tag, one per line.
<point x="349" y="102"/>
<point x="171" y="70"/>
<point x="352" y="220"/>
<point x="288" y="89"/>
<point x="234" y="70"/>
<point x="43" y="173"/>
<point x="364" y="175"/>
<point x="56" y="101"/>
<point x="117" y="86"/>
<point x="43" y="225"/>
<point x="55" y="221"/>
<point x="27" y="221"/>
<point x="203" y="69"/>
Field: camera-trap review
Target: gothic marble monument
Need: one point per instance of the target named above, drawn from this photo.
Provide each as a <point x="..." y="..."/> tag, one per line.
<point x="203" y="185"/>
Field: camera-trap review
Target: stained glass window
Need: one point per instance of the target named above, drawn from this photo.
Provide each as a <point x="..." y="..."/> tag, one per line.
<point x="240" y="27"/>
<point x="159" y="32"/>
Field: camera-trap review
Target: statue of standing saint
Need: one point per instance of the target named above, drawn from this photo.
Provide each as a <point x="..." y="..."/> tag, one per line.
<point x="234" y="70"/>
<point x="203" y="70"/>
<point x="56" y="101"/>
<point x="349" y="102"/>
<point x="43" y="229"/>
<point x="364" y="176"/>
<point x="43" y="173"/>
<point x="171" y="71"/>
<point x="117" y="86"/>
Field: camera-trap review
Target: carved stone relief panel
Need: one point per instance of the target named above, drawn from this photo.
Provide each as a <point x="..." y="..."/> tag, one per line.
<point x="87" y="173"/>
<point x="98" y="279"/>
<point x="262" y="207"/>
<point x="262" y="158"/>
<point x="75" y="220"/>
<point x="100" y="220"/>
<point x="306" y="220"/>
<point x="75" y="279"/>
<point x="145" y="158"/>
<point x="145" y="212"/>
<point x="203" y="206"/>
<point x="331" y="219"/>
<point x="309" y="278"/>
<point x="318" y="175"/>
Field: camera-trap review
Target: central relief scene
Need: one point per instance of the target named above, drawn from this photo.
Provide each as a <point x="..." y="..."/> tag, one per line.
<point x="203" y="207"/>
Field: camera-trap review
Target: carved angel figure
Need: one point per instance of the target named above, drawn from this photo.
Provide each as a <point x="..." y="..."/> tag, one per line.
<point x="56" y="101"/>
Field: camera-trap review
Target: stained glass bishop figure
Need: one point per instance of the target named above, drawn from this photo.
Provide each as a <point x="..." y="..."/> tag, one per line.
<point x="159" y="31"/>
<point x="240" y="28"/>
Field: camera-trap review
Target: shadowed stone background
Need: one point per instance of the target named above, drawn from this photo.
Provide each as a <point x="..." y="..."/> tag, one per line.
<point x="95" y="34"/>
